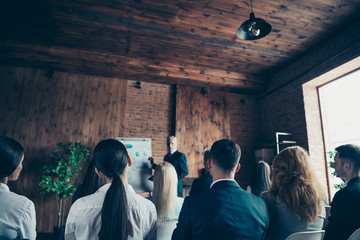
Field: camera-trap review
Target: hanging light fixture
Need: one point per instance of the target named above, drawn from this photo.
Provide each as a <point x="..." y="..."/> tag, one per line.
<point x="254" y="28"/>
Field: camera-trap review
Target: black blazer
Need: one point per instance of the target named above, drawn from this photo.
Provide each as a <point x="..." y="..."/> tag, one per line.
<point x="201" y="184"/>
<point x="223" y="212"/>
<point x="178" y="160"/>
<point x="345" y="212"/>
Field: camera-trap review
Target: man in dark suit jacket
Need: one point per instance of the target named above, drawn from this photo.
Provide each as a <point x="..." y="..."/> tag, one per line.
<point x="177" y="159"/>
<point x="225" y="211"/>
<point x="345" y="208"/>
<point x="202" y="183"/>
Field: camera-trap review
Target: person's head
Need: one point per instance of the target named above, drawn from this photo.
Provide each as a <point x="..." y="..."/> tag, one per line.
<point x="295" y="183"/>
<point x="165" y="190"/>
<point x="262" y="178"/>
<point x="225" y="155"/>
<point x="347" y="161"/>
<point x="206" y="158"/>
<point x="11" y="157"/>
<point x="172" y="143"/>
<point x="112" y="160"/>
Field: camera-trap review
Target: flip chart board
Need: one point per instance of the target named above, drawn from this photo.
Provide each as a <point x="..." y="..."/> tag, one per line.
<point x="139" y="150"/>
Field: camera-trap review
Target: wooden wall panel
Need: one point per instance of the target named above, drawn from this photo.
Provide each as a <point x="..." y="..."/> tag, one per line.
<point x="40" y="108"/>
<point x="202" y="117"/>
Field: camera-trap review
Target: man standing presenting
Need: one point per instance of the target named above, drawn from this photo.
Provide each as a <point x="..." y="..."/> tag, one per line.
<point x="225" y="211"/>
<point x="177" y="159"/>
<point x="345" y="207"/>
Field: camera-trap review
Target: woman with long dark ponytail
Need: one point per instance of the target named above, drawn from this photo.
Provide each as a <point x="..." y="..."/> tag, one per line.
<point x="17" y="213"/>
<point x="115" y="211"/>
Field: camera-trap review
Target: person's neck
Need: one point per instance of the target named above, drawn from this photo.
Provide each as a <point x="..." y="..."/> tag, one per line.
<point x="351" y="176"/>
<point x="123" y="177"/>
<point x="354" y="176"/>
<point x="222" y="175"/>
<point x="4" y="181"/>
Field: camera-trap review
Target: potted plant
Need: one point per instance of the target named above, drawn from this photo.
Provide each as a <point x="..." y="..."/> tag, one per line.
<point x="57" y="176"/>
<point x="331" y="154"/>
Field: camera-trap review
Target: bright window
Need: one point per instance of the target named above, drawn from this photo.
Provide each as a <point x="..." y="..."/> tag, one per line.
<point x="340" y="111"/>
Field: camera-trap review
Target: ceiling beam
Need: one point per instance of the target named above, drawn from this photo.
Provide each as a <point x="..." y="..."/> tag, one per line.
<point x="111" y="65"/>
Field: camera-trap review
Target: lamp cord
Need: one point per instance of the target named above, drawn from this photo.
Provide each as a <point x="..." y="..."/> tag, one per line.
<point x="251" y="6"/>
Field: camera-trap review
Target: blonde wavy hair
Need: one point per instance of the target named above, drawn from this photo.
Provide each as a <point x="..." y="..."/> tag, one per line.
<point x="295" y="183"/>
<point x="165" y="190"/>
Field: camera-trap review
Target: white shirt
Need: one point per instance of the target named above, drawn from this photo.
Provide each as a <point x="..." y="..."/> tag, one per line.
<point x="84" y="219"/>
<point x="17" y="215"/>
<point x="227" y="179"/>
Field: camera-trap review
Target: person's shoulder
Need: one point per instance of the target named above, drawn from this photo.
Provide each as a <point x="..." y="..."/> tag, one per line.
<point x="179" y="200"/>
<point x="248" y="198"/>
<point x="265" y="195"/>
<point x="195" y="197"/>
<point x="141" y="207"/>
<point x="179" y="154"/>
<point x="349" y="192"/>
<point x="17" y="198"/>
<point x="197" y="181"/>
<point x="140" y="202"/>
<point x="94" y="200"/>
<point x="353" y="184"/>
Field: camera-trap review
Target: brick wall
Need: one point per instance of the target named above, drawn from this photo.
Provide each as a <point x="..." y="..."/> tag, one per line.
<point x="244" y="130"/>
<point x="282" y="107"/>
<point x="283" y="111"/>
<point x="148" y="114"/>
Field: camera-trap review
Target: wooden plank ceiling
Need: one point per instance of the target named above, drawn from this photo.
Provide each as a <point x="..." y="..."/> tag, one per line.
<point x="167" y="41"/>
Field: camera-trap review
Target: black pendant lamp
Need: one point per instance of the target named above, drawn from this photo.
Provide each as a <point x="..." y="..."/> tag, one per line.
<point x="254" y="28"/>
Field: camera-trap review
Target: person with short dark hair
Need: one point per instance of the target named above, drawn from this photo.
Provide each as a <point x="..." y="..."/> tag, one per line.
<point x="345" y="207"/>
<point x="17" y="213"/>
<point x="225" y="211"/>
<point x="115" y="211"/>
<point x="202" y="183"/>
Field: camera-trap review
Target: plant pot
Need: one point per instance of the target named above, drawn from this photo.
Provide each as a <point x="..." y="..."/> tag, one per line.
<point x="59" y="233"/>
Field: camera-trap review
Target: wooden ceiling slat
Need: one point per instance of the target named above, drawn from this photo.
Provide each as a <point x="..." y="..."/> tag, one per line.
<point x="191" y="41"/>
<point x="123" y="68"/>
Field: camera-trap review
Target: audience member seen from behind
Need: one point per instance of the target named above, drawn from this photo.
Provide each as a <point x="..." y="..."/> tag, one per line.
<point x="262" y="178"/>
<point x="17" y="213"/>
<point x="90" y="184"/>
<point x="225" y="211"/>
<point x="345" y="206"/>
<point x="202" y="183"/>
<point x="295" y="200"/>
<point x="115" y="211"/>
<point x="167" y="203"/>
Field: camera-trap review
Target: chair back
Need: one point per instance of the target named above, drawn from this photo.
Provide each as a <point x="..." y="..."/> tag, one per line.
<point x="165" y="229"/>
<point x="355" y="235"/>
<point x="309" y="235"/>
